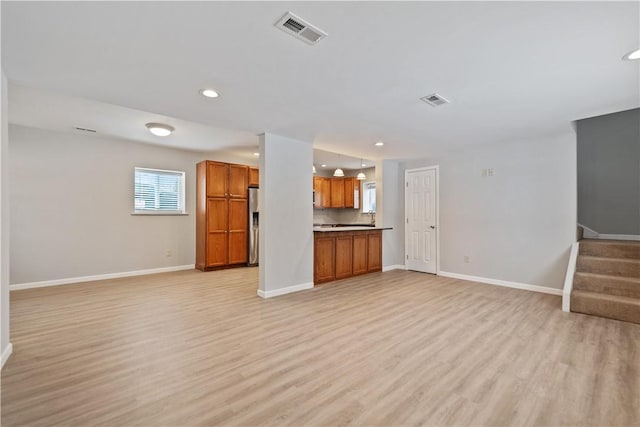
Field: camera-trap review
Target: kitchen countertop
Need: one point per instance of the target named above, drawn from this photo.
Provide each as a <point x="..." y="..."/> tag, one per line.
<point x="354" y="228"/>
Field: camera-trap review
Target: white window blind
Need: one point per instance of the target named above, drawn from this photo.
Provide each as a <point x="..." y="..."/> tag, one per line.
<point x="158" y="191"/>
<point x="369" y="197"/>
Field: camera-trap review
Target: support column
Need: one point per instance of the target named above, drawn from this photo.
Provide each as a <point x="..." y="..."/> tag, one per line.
<point x="390" y="212"/>
<point x="286" y="215"/>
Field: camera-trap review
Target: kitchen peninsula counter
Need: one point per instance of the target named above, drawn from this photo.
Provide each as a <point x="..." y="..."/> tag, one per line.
<point x="341" y="252"/>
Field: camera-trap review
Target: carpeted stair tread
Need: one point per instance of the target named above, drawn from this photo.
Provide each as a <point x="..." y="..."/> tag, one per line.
<point x="615" y="307"/>
<point x="612" y="285"/>
<point x="609" y="266"/>
<point x="610" y="248"/>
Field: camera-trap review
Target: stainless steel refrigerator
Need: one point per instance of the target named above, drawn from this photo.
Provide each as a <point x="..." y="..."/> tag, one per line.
<point x="254" y="229"/>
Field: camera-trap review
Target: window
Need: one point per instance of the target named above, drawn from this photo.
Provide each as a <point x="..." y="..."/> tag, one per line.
<point x="369" y="197"/>
<point x="158" y="192"/>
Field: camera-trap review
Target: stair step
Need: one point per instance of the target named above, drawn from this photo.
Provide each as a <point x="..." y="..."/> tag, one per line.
<point x="610" y="248"/>
<point x="612" y="285"/>
<point x="610" y="306"/>
<point x="609" y="266"/>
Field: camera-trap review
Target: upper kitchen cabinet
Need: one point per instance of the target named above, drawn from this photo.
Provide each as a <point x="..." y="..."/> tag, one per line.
<point x="349" y="192"/>
<point x="254" y="177"/>
<point x="322" y="192"/>
<point x="217" y="179"/>
<point x="238" y="181"/>
<point x="227" y="180"/>
<point x="337" y="193"/>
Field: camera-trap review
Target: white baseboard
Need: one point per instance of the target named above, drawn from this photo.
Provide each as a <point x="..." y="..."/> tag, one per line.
<point x="5" y="354"/>
<point x="283" y="291"/>
<point x="634" y="237"/>
<point x="98" y="277"/>
<point x="394" y="267"/>
<point x="505" y="283"/>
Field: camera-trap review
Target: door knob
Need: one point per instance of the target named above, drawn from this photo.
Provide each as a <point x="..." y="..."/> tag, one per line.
<point x="432" y="227"/>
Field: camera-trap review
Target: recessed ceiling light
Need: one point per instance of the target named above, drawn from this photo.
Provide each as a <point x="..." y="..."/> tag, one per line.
<point x="159" y="129"/>
<point x="379" y="144"/>
<point x="363" y="165"/>
<point x="256" y="154"/>
<point x="209" y="93"/>
<point x="634" y="54"/>
<point x="324" y="166"/>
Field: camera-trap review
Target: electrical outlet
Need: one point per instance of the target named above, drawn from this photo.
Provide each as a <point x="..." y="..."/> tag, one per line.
<point x="168" y="253"/>
<point x="490" y="172"/>
<point x="466" y="259"/>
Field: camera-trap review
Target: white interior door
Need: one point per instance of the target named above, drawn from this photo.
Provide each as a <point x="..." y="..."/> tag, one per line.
<point x="421" y="221"/>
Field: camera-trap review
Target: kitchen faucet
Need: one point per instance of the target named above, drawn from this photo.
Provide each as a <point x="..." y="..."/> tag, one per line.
<point x="373" y="217"/>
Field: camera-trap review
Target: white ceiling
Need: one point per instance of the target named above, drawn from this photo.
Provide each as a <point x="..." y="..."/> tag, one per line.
<point x="511" y="69"/>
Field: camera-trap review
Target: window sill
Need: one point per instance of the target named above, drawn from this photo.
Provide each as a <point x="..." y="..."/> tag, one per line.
<point x="159" y="213"/>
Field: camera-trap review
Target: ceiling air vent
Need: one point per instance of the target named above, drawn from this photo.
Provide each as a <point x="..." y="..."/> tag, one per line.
<point x="434" y="100"/>
<point x="300" y="29"/>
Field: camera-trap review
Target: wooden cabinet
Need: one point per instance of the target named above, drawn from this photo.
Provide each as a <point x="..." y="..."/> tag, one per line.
<point x="217" y="183"/>
<point x="322" y="192"/>
<point x="374" y="252"/>
<point x="238" y="231"/>
<point x="221" y="214"/>
<point x="349" y="192"/>
<point x="254" y="177"/>
<point x="336" y="192"/>
<point x="359" y="254"/>
<point x="238" y="181"/>
<point x="342" y="254"/>
<point x="324" y="261"/>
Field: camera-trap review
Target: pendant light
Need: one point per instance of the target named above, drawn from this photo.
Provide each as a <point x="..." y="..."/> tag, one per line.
<point x="338" y="172"/>
<point x="314" y="168"/>
<point x="361" y="176"/>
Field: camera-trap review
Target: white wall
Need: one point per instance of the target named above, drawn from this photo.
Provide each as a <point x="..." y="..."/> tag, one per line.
<point x="286" y="215"/>
<point x="5" y="346"/>
<point x="390" y="211"/>
<point x="71" y="204"/>
<point x="517" y="225"/>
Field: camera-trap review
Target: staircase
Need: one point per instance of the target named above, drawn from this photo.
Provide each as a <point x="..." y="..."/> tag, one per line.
<point x="607" y="280"/>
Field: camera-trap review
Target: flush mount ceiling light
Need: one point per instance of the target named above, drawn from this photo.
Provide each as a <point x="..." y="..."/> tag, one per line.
<point x="379" y="144"/>
<point x="159" y="129"/>
<point x="361" y="176"/>
<point x="209" y="93"/>
<point x="338" y="172"/>
<point x="634" y="54"/>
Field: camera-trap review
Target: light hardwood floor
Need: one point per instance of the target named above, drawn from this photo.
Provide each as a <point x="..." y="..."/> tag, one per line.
<point x="395" y="348"/>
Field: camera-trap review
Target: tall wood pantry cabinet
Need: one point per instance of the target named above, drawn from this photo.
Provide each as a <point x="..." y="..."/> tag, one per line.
<point x="221" y="215"/>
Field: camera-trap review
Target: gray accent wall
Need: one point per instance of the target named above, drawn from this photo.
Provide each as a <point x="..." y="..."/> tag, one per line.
<point x="609" y="173"/>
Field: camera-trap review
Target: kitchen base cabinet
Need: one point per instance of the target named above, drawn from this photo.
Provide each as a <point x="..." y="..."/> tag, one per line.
<point x="374" y="252"/>
<point x="359" y="254"/>
<point x="342" y="254"/>
<point x="344" y="257"/>
<point x="325" y="262"/>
